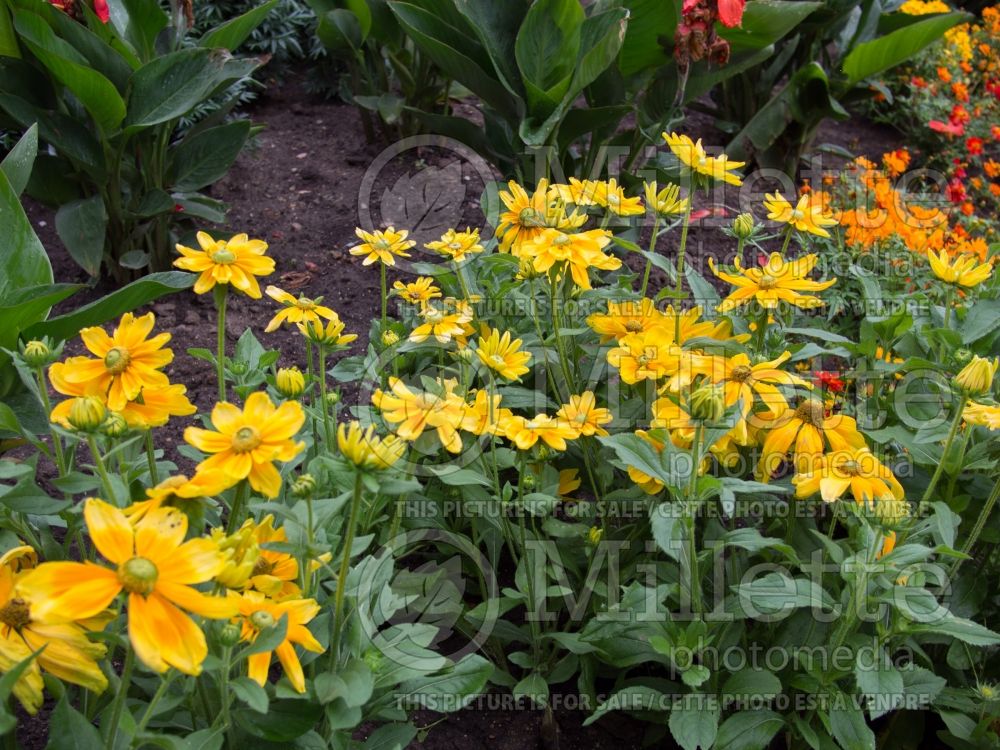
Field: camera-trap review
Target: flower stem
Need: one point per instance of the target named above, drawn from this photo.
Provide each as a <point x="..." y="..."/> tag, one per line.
<point x="679" y="282"/>
<point x="984" y="515"/>
<point x="160" y="691"/>
<point x="788" y="239"/>
<point x="948" y="301"/>
<point x="324" y="407"/>
<point x="57" y="446"/>
<point x="557" y="324"/>
<point x="345" y="565"/>
<point x="690" y="521"/>
<point x="111" y="732"/>
<point x="102" y="469"/>
<point x="236" y="512"/>
<point x="221" y="295"/>
<point x="955" y="422"/>
<point x="154" y="477"/>
<point x="385" y="301"/>
<point x="649" y="261"/>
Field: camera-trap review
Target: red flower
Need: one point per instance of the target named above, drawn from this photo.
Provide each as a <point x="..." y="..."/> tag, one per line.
<point x="955" y="191"/>
<point x="731" y="12"/>
<point x="975" y="146"/>
<point x="947" y="127"/>
<point x="830" y="380"/>
<point x="102" y="11"/>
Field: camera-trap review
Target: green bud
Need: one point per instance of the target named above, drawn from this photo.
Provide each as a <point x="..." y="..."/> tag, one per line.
<point x="290" y="382"/>
<point x="229" y="635"/>
<point x="87" y="414"/>
<point x="708" y="403"/>
<point x="115" y="425"/>
<point x="528" y="481"/>
<point x="743" y="226"/>
<point x="304" y="486"/>
<point x="333" y="398"/>
<point x="36" y="353"/>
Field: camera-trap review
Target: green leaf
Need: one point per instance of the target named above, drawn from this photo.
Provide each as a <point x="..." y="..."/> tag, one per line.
<point x="81" y="225"/>
<point x="70" y="730"/>
<point x="8" y="39"/>
<point x="267" y="640"/>
<point x="964" y="630"/>
<point x="496" y="25"/>
<point x="234" y="32"/>
<point x="847" y="724"/>
<point x="668" y="531"/>
<point x="546" y="50"/>
<point x="139" y="22"/>
<point x="694" y="723"/>
<point x="776" y="594"/>
<point x="204" y="157"/>
<point x="649" y="35"/>
<point x="391" y="737"/>
<point x="250" y="693"/>
<point x="748" y="730"/>
<point x="450" y="690"/>
<point x="631" y="698"/>
<point x="129" y="297"/>
<point x="97" y="94"/>
<point x="18" y="163"/>
<point x="23" y="261"/>
<point x="765" y="22"/>
<point x="982" y="320"/>
<point x="878" y="55"/>
<point x="879" y="681"/>
<point x="284" y="721"/>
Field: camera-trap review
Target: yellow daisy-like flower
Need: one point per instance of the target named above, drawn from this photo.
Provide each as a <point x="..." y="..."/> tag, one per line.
<point x="501" y="353"/>
<point x="331" y="334"/>
<point x="296" y="309"/>
<point x="805" y="431"/>
<point x="445" y="321"/>
<point x="584" y="415"/>
<point x="237" y="262"/>
<point x="693" y="156"/>
<point x="666" y="201"/>
<point x="457" y="245"/>
<point x="963" y="269"/>
<point x="983" y="415"/>
<point x="625" y="318"/>
<point x="381" y="246"/>
<point x="527" y="216"/>
<point x="484" y="415"/>
<point x="258" y="613"/>
<point x="579" y="192"/>
<point x="62" y="649"/>
<point x="414" y="411"/>
<point x="274" y="573"/>
<point x="580" y="251"/>
<point x="524" y="432"/>
<point x="807" y="216"/>
<point x="417" y="292"/>
<point x="176" y="491"/>
<point x="248" y="442"/>
<point x="742" y="381"/>
<point x="155" y="567"/>
<point x="366" y="450"/>
<point x="854" y="469"/>
<point x="650" y="355"/>
<point x="777" y="281"/>
<point x="612" y="196"/>
<point x="127" y="361"/>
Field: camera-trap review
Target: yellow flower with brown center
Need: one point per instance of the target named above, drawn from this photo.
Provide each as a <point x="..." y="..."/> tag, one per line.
<point x="501" y="353"/>
<point x="363" y="448"/>
<point x="330" y="334"/>
<point x="382" y="246"/>
<point x="236" y="262"/>
<point x="445" y="321"/>
<point x="776" y="282"/>
<point x="155" y="567"/>
<point x="806" y="216"/>
<point x="62" y="649"/>
<point x="296" y="309"/>
<point x="274" y="572"/>
<point x="413" y="411"/>
<point x="527" y="216"/>
<point x="584" y="415"/>
<point x="258" y="614"/>
<point x="855" y="469"/>
<point x="742" y="381"/>
<point x="457" y="245"/>
<point x="693" y="156"/>
<point x="665" y="201"/>
<point x="626" y="317"/>
<point x="806" y="432"/>
<point x="963" y="270"/>
<point x="417" y="292"/>
<point x="524" y="432"/>
<point x="127" y="360"/>
<point x="248" y="442"/>
<point x="580" y="252"/>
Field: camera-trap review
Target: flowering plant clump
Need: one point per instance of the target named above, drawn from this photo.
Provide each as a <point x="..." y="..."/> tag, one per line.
<point x="556" y="469"/>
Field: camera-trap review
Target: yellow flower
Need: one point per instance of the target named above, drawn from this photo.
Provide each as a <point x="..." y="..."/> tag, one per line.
<point x="578" y="192"/>
<point x="500" y="353"/>
<point x="806" y="216"/>
<point x="176" y="491"/>
<point x="805" y="431"/>
<point x="778" y="281"/>
<point x="626" y="317"/>
<point x="457" y="245"/>
<point x="855" y="469"/>
<point x="983" y="415"/>
<point x="239" y="552"/>
<point x="274" y="573"/>
<point x="296" y="309"/>
<point x="257" y="614"/>
<point x="665" y="202"/>
<point x="362" y="448"/>
<point x="414" y="411"/>
<point x="584" y="415"/>
<point x="742" y="381"/>
<point x="442" y="323"/>
<point x="484" y="415"/>
<point x="963" y="270"/>
<point x="127" y="361"/>
<point x="612" y="195"/>
<point x="62" y="648"/>
<point x="237" y="261"/>
<point x="693" y="156"/>
<point x="569" y="482"/>
<point x="248" y="442"/>
<point x="382" y="246"/>
<point x="580" y="251"/>
<point x="976" y="378"/>
<point x="524" y="433"/>
<point x="155" y="406"/>
<point x="155" y="567"/>
<point x="528" y="216"/>
<point x="417" y="292"/>
<point x="650" y="355"/>
<point x="329" y="335"/>
<point x="290" y="382"/>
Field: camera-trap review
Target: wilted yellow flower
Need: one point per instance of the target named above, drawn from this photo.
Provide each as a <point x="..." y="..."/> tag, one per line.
<point x="290" y="382"/>
<point x="417" y="292"/>
<point x="524" y="433"/>
<point x="666" y="201"/>
<point x="296" y="309"/>
<point x="855" y="469"/>
<point x="778" y="281"/>
<point x="983" y="415"/>
<point x="963" y="270"/>
<point x="976" y="378"/>
<point x="382" y="246"/>
<point x="457" y="245"/>
<point x="501" y="353"/>
<point x="444" y="321"/>
<point x="693" y="156"/>
<point x="807" y="216"/>
<point x="367" y="451"/>
<point x="237" y="262"/>
<point x="584" y="415"/>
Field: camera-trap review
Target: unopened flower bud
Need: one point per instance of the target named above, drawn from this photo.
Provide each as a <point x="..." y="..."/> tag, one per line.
<point x="229" y="635"/>
<point x="891" y="513"/>
<point x="526" y="270"/>
<point x="594" y="535"/>
<point x="36" y="353"/>
<point x="87" y="413"/>
<point x="743" y="226"/>
<point x="115" y="425"/>
<point x="390" y="338"/>
<point x="976" y="378"/>
<point x="708" y="403"/>
<point x="262" y="620"/>
<point x="290" y="382"/>
<point x="304" y="486"/>
<point x="962" y="357"/>
<point x="544" y="452"/>
<point x="528" y="481"/>
<point x="333" y="398"/>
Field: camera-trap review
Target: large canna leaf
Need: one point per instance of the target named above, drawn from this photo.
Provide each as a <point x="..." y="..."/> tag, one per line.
<point x="204" y="157"/>
<point x="234" y="32"/>
<point x="18" y="163"/>
<point x="496" y="25"/>
<point x="23" y="261"/>
<point x="765" y="22"/>
<point x="139" y="23"/>
<point x="81" y="225"/>
<point x="546" y="50"/>
<point x="650" y="34"/>
<point x="878" y="55"/>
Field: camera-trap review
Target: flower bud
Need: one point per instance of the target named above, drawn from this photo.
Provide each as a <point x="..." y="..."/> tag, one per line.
<point x="526" y="269"/>
<point x="976" y="378"/>
<point x="262" y="620"/>
<point x="390" y="338"/>
<point x="708" y="403"/>
<point x="87" y="414"/>
<point x="544" y="452"/>
<point x="962" y="357"/>
<point x="891" y="514"/>
<point x="115" y="425"/>
<point x="229" y="635"/>
<point x="528" y="481"/>
<point x="743" y="226"/>
<point x="238" y="368"/>
<point x="304" y="486"/>
<point x="594" y="535"/>
<point x="290" y="382"/>
<point x="36" y="353"/>
<point x="333" y="398"/>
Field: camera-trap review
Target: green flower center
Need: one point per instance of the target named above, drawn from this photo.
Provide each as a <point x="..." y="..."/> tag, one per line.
<point x="382" y="245"/>
<point x="455" y="245"/>
<point x="15" y="613"/>
<point x="138" y="575"/>
<point x="223" y="256"/>
<point x="498" y="360"/>
<point x="851" y="467"/>
<point x="262" y="620"/>
<point x="117" y="359"/>
<point x="245" y="439"/>
<point x="798" y="215"/>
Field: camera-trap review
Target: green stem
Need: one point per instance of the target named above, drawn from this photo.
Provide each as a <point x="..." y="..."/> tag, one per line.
<point x="324" y="407"/>
<point x="160" y="692"/>
<point x="681" y="251"/>
<point x="557" y="325"/>
<point x="154" y="476"/>
<point x="227" y="667"/>
<point x="532" y="609"/>
<point x="948" y="301"/>
<point x="221" y="294"/>
<point x="690" y="521"/>
<point x="236" y="512"/>
<point x="118" y="705"/>
<point x="649" y="261"/>
<point x="788" y="239"/>
<point x="102" y="469"/>
<point x="345" y="565"/>
<point x="57" y="446"/>
<point x="385" y="302"/>
<point x="984" y="515"/>
<point x="955" y="422"/>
